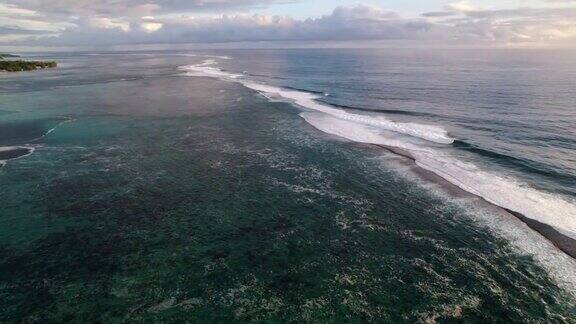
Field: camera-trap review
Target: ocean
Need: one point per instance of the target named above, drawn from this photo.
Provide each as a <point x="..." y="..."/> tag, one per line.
<point x="290" y="185"/>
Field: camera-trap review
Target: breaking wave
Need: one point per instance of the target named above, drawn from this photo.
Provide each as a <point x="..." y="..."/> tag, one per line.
<point x="310" y="101"/>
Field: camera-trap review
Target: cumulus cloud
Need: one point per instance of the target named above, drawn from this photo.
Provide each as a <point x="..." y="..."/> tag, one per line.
<point x="107" y="23"/>
<point x="536" y="25"/>
<point x="135" y="7"/>
<point x="461" y="6"/>
<point x="359" y="22"/>
<point x="18" y="23"/>
<point x="18" y="16"/>
<point x="151" y="27"/>
<point x="112" y="22"/>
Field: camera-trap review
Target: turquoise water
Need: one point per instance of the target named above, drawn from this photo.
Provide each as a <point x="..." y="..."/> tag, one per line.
<point x="160" y="197"/>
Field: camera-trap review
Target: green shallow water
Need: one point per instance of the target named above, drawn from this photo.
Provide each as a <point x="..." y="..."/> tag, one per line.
<point x="185" y="199"/>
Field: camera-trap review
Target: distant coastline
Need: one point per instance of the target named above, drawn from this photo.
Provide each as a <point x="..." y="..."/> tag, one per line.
<point x="21" y="65"/>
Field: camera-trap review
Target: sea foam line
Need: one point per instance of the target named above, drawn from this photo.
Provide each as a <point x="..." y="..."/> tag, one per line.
<point x="309" y="100"/>
<point x="509" y="193"/>
<point x="51" y="130"/>
<point x="556" y="211"/>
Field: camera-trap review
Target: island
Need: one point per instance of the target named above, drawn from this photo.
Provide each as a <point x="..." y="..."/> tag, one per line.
<point x="21" y="65"/>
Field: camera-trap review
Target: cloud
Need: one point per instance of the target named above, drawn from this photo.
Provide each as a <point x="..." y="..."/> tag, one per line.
<point x="107" y="23"/>
<point x="20" y="23"/>
<point x="539" y="25"/>
<point x="21" y="31"/>
<point x="551" y="14"/>
<point x="151" y="27"/>
<point x="85" y="16"/>
<point x="115" y="22"/>
<point x="461" y="6"/>
<point x="438" y="14"/>
<point x="360" y="22"/>
<point x="135" y="7"/>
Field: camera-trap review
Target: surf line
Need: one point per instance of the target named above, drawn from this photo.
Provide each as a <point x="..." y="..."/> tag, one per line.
<point x="562" y="242"/>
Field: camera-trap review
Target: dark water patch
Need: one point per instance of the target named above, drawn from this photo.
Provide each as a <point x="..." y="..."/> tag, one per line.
<point x="305" y="90"/>
<point x="7" y="112"/>
<point x="25" y="131"/>
<point x="524" y="165"/>
<point x="556" y="140"/>
<point x="383" y="111"/>
<point x="272" y="77"/>
<point x="391" y="98"/>
<point x="8" y="153"/>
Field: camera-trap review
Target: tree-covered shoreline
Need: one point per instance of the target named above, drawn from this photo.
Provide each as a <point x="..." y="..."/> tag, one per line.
<point x="20" y="65"/>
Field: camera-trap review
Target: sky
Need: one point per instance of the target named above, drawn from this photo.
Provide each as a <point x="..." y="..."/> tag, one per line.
<point x="473" y="23"/>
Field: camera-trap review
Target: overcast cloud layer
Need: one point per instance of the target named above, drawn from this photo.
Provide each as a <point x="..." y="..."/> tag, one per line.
<point x="111" y="22"/>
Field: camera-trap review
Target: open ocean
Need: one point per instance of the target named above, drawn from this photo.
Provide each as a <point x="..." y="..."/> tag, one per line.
<point x="294" y="185"/>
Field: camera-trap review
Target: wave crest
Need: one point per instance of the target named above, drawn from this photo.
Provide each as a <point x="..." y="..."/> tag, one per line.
<point x="310" y="101"/>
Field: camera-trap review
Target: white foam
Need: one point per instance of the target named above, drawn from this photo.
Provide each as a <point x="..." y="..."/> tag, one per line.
<point x="308" y="100"/>
<point x="509" y="193"/>
<point x="547" y="208"/>
<point x="207" y="69"/>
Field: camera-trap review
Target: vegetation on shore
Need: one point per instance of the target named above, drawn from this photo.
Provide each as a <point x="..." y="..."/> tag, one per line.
<point x="20" y="65"/>
<point x="15" y="66"/>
